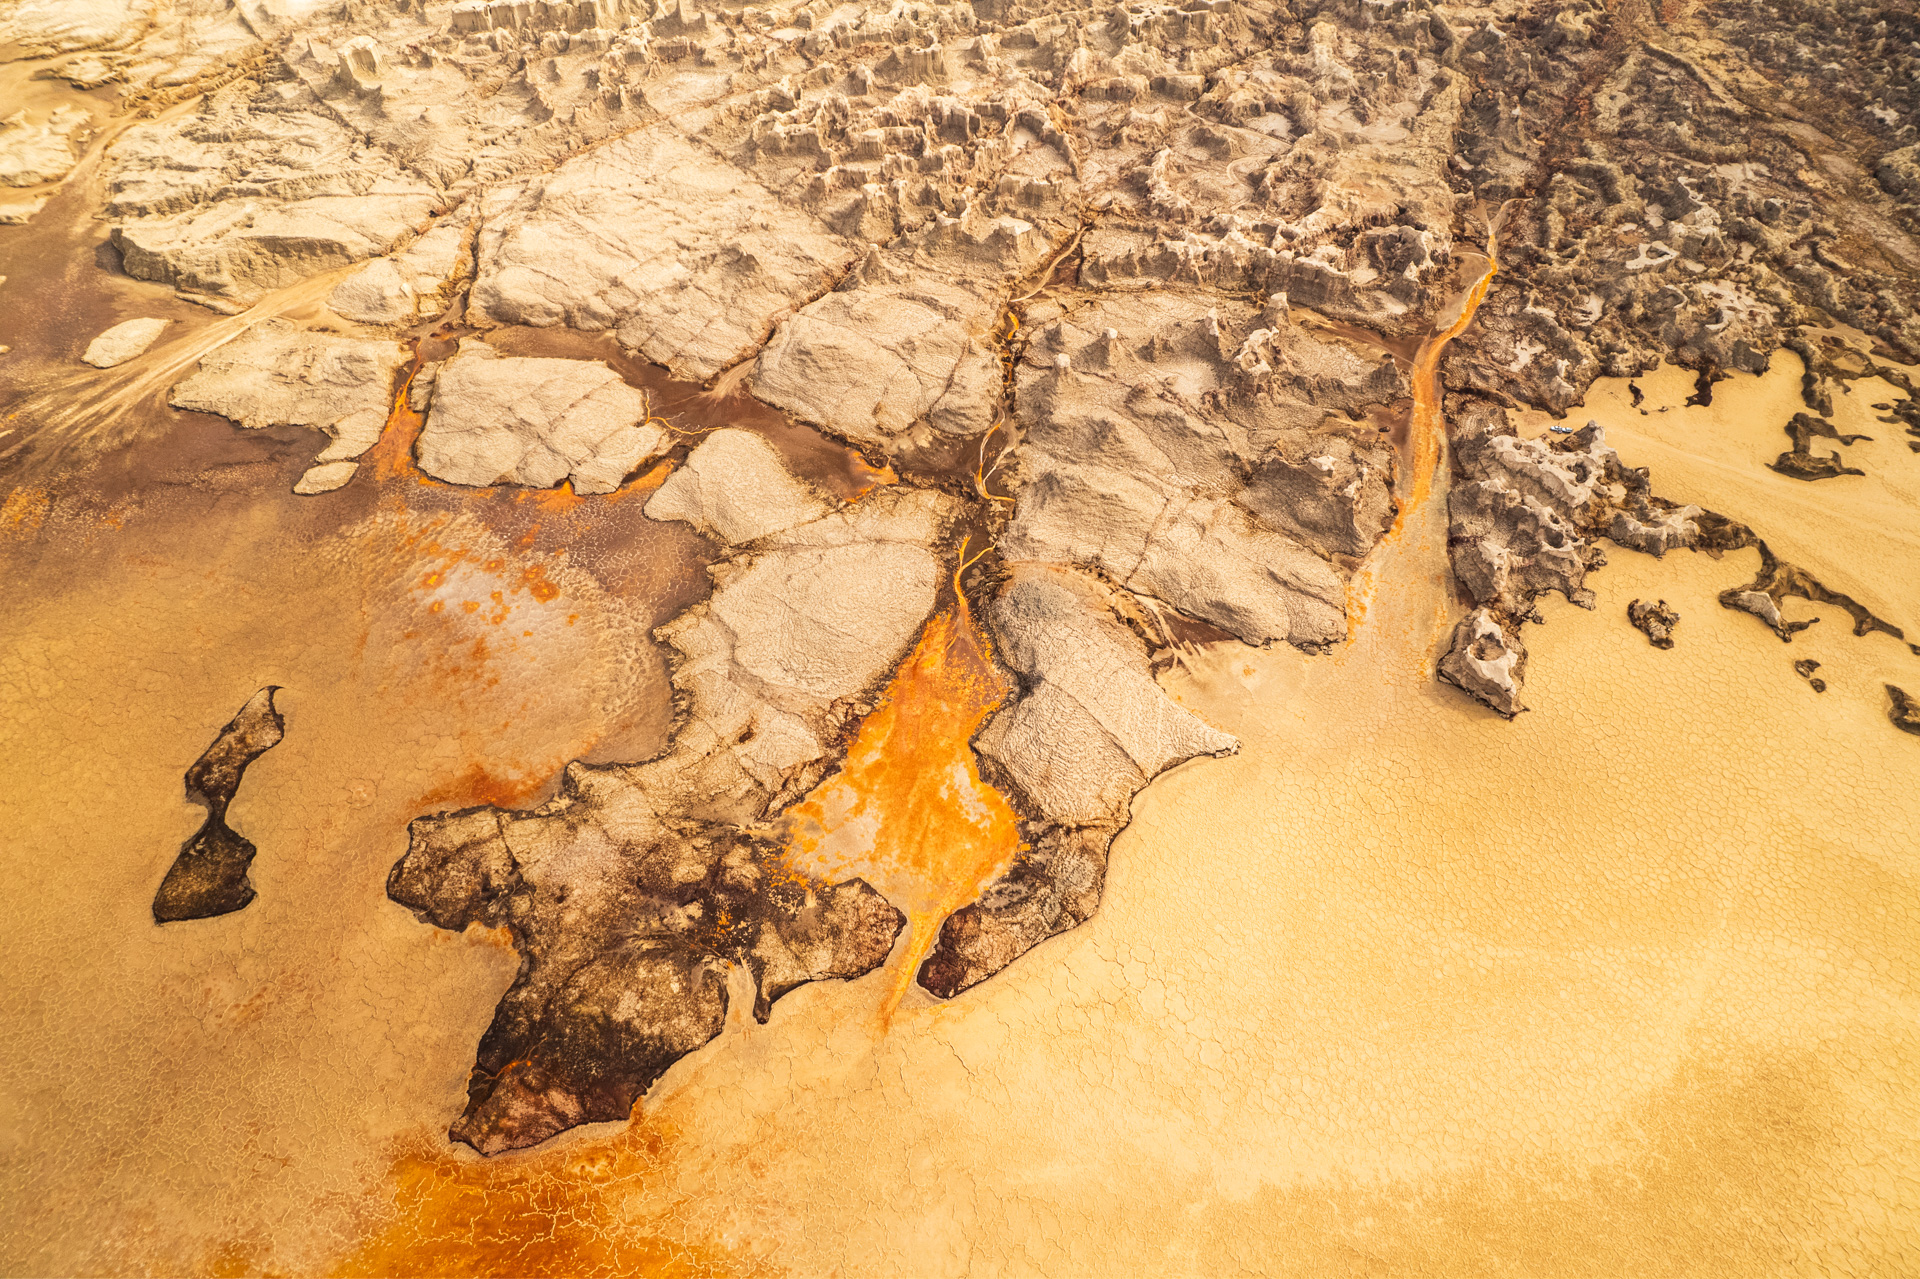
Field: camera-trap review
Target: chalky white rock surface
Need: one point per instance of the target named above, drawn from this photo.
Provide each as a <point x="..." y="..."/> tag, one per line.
<point x="123" y="342"/>
<point x="536" y="422"/>
<point x="277" y="374"/>
<point x="735" y="487"/>
<point x="689" y="260"/>
<point x="1095" y="727"/>
<point x="393" y="290"/>
<point x="325" y="477"/>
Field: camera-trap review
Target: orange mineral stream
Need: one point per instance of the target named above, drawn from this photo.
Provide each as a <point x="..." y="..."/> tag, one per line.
<point x="1426" y="430"/>
<point x="910" y="813"/>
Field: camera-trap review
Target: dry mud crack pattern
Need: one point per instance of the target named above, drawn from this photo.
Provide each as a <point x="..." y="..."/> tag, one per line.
<point x="945" y="638"/>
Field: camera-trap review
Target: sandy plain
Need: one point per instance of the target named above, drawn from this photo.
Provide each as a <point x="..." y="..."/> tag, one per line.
<point x="1625" y="985"/>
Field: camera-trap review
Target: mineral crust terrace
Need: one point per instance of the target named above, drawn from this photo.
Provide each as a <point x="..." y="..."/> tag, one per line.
<point x="1127" y="294"/>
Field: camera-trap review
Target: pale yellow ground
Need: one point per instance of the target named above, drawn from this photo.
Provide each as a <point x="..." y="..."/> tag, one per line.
<point x="1626" y="986"/>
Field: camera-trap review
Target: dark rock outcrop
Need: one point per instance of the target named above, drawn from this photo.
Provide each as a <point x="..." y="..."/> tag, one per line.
<point x="1903" y="710"/>
<point x="1526" y="518"/>
<point x="1697" y="190"/>
<point x="1805" y="669"/>
<point x="1802" y="463"/>
<point x="626" y="925"/>
<point x="1054" y="885"/>
<point x="1778" y="580"/>
<point x="1656" y="620"/>
<point x="1486" y="661"/>
<point x="209" y="877"/>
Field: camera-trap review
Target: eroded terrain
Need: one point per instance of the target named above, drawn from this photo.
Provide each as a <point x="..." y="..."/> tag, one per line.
<point x="742" y="504"/>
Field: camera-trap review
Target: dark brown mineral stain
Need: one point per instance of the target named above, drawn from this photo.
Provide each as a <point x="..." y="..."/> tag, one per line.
<point x="53" y="266"/>
<point x="1657" y="620"/>
<point x="1805" y="669"/>
<point x="1393" y="419"/>
<point x="625" y="951"/>
<point x="1829" y="362"/>
<point x="1405" y="347"/>
<point x="1777" y="580"/>
<point x="209" y="877"/>
<point x="1801" y="462"/>
<point x="1904" y="710"/>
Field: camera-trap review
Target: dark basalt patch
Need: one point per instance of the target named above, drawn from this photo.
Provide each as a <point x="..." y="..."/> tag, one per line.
<point x="626" y="924"/>
<point x="1064" y="767"/>
<point x="1802" y="463"/>
<point x="1055" y="884"/>
<point x="1904" y="711"/>
<point x="1777" y="580"/>
<point x="1812" y="466"/>
<point x="209" y="877"/>
<point x="1805" y="669"/>
<point x="1656" y="620"/>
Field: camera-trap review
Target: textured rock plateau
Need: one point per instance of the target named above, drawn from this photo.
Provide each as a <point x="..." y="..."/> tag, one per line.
<point x="498" y="420"/>
<point x="1123" y="298"/>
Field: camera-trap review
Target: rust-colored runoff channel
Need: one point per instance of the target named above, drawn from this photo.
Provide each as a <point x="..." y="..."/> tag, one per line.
<point x="909" y="812"/>
<point x="1428" y="421"/>
<point x="1425" y="429"/>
